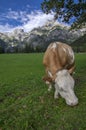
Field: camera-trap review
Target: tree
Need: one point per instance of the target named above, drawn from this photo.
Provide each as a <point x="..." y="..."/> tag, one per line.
<point x="67" y="10"/>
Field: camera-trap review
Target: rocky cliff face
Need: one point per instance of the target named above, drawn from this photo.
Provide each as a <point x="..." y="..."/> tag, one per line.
<point x="38" y="39"/>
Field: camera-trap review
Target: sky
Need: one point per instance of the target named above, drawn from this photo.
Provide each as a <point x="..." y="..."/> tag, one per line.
<point x="25" y="14"/>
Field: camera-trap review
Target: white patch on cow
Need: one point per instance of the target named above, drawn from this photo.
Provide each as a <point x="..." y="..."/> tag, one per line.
<point x="58" y="43"/>
<point x="47" y="82"/>
<point x="49" y="85"/>
<point x="49" y="73"/>
<point x="64" y="50"/>
<point x="64" y="85"/>
<point x="54" y="46"/>
<point x="49" y="46"/>
<point x="71" y="53"/>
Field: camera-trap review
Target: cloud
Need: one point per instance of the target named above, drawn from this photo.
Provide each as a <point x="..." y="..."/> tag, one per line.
<point x="27" y="21"/>
<point x="14" y="15"/>
<point x="6" y="28"/>
<point x="37" y="19"/>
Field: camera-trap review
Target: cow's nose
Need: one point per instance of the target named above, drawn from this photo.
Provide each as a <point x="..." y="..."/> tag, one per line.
<point x="74" y="103"/>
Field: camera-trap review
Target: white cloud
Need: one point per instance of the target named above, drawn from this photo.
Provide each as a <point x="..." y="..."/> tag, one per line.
<point x="6" y="28"/>
<point x="15" y="15"/>
<point x="28" y="21"/>
<point x="12" y="15"/>
<point x="37" y="19"/>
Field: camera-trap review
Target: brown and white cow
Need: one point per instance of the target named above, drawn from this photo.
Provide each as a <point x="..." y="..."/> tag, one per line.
<point x="59" y="64"/>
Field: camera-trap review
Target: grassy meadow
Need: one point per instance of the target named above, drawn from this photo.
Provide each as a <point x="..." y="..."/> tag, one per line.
<point x="25" y="103"/>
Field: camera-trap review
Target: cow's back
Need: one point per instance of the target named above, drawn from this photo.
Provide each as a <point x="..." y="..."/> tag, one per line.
<point x="58" y="56"/>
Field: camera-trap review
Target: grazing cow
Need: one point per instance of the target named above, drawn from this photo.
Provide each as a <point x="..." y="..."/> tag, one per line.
<point x="59" y="64"/>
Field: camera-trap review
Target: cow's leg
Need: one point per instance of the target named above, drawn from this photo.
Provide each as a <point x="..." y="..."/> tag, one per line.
<point x="56" y="94"/>
<point x="48" y="81"/>
<point x="71" y="70"/>
<point x="49" y="85"/>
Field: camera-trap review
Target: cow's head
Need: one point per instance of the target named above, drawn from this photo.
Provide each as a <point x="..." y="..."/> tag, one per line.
<point x="64" y="84"/>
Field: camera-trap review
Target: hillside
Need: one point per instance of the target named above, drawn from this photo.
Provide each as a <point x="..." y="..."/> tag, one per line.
<point x="38" y="39"/>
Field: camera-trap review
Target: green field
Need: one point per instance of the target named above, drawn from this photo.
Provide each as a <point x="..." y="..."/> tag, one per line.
<point x="25" y="103"/>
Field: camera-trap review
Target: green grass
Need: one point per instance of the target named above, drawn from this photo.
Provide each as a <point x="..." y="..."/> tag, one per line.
<point x="25" y="103"/>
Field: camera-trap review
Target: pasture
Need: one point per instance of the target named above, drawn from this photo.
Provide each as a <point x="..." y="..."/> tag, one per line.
<point x="25" y="103"/>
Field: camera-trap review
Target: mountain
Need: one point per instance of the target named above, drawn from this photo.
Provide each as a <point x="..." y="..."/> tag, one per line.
<point x="39" y="38"/>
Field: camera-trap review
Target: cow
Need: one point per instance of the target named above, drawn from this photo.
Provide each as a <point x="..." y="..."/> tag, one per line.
<point x="59" y="63"/>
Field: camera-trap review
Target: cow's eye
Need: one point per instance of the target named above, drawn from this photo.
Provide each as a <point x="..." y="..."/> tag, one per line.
<point x="61" y="89"/>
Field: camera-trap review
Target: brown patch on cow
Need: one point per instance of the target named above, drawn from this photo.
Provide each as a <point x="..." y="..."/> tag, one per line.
<point x="46" y="78"/>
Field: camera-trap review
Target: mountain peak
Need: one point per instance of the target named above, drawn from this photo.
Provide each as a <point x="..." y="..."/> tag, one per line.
<point x="39" y="37"/>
